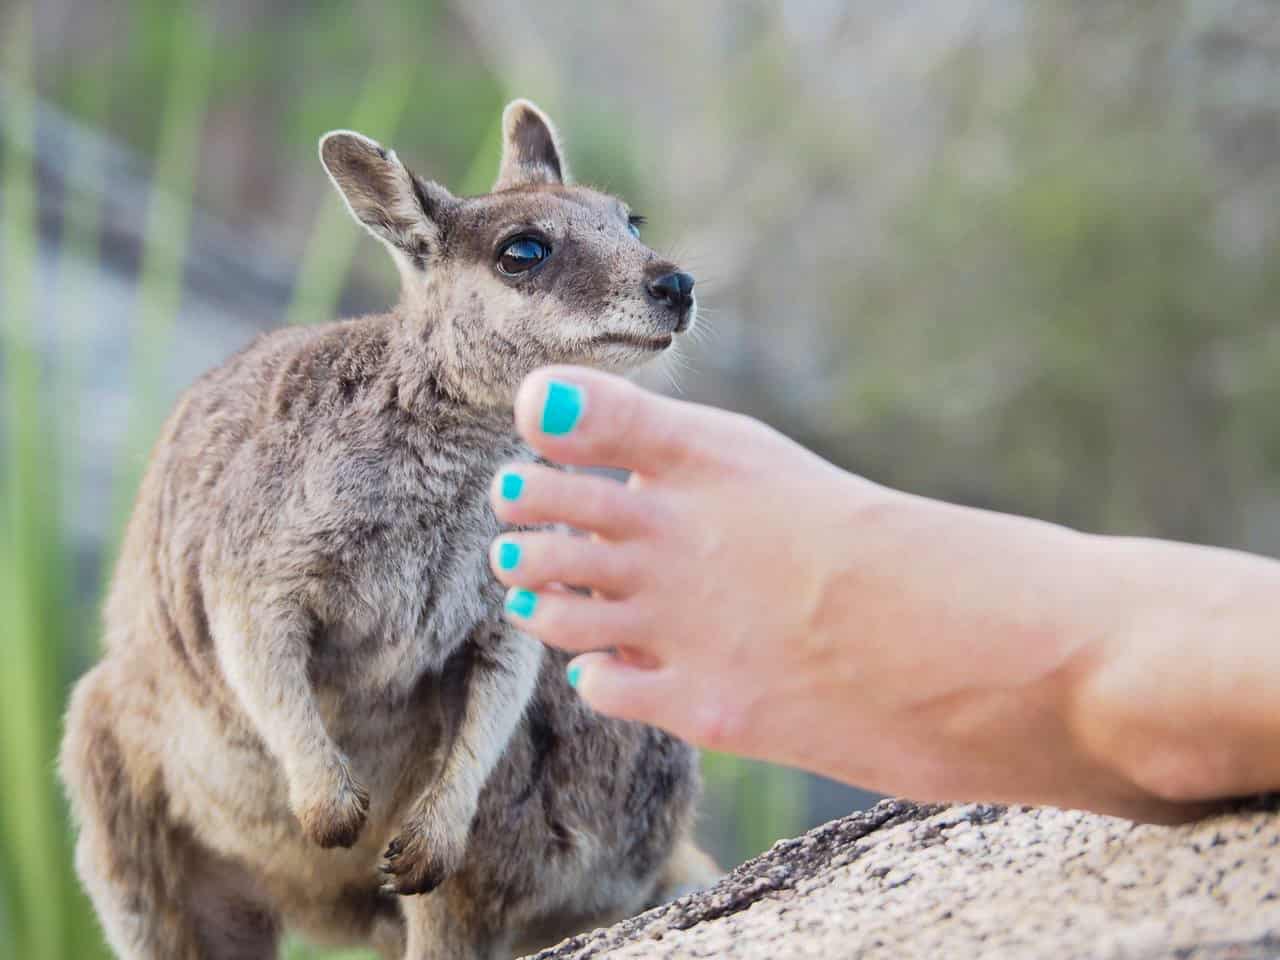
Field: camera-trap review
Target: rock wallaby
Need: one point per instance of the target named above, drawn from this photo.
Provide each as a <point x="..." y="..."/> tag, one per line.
<point x="310" y="715"/>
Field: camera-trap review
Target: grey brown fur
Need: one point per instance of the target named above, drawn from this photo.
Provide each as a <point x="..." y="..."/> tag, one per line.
<point x="310" y="714"/>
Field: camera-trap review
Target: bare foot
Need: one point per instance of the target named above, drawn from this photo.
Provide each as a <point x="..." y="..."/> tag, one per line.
<point x="751" y="597"/>
<point x="709" y="568"/>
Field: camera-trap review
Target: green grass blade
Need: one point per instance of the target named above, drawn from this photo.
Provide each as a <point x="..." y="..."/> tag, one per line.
<point x="295" y="949"/>
<point x="484" y="167"/>
<point x="334" y="239"/>
<point x="78" y="270"/>
<point x="765" y="802"/>
<point x="167" y="232"/>
<point x="29" y="617"/>
<point x="79" y="266"/>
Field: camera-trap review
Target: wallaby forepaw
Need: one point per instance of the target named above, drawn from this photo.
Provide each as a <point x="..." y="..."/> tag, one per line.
<point x="335" y="816"/>
<point x="418" y="861"/>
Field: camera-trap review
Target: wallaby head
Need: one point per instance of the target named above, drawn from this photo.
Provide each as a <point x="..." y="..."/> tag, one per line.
<point x="538" y="271"/>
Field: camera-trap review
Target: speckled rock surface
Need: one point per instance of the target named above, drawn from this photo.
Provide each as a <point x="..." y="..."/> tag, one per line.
<point x="902" y="880"/>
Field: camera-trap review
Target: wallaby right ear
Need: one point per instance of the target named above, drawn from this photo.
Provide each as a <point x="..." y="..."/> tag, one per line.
<point x="397" y="207"/>
<point x="531" y="151"/>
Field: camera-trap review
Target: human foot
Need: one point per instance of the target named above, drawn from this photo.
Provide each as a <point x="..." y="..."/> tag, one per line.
<point x="707" y="568"/>
<point x="751" y="597"/>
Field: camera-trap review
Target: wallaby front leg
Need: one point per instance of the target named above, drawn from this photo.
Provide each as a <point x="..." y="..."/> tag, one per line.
<point x="263" y="649"/>
<point x="433" y="838"/>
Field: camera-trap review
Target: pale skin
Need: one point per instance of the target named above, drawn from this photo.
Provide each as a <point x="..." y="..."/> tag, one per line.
<point x="753" y="598"/>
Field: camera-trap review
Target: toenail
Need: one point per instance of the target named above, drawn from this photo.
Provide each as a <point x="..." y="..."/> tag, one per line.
<point x="574" y="673"/>
<point x="562" y="408"/>
<point x="521" y="602"/>
<point x="512" y="486"/>
<point x="508" y="556"/>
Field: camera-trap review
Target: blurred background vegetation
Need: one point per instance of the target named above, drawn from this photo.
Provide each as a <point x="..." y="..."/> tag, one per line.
<point x="1013" y="254"/>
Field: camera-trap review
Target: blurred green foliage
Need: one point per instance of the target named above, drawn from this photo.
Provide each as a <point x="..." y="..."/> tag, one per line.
<point x="1051" y="321"/>
<point x="43" y="909"/>
<point x="186" y="81"/>
<point x="1070" y="338"/>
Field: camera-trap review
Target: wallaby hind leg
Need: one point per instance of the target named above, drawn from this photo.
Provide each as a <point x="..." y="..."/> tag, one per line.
<point x="688" y="870"/>
<point x="448" y="924"/>
<point x="158" y="895"/>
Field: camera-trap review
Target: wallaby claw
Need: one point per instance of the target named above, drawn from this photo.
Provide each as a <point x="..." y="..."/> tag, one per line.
<point x="413" y="865"/>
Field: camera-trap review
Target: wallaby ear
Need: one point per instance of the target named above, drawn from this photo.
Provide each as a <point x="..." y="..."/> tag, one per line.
<point x="530" y="148"/>
<point x="400" y="209"/>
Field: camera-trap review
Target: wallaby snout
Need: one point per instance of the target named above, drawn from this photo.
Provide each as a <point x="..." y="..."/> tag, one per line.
<point x="674" y="290"/>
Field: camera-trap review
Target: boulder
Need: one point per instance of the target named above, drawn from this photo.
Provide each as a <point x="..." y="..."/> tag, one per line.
<point x="910" y="880"/>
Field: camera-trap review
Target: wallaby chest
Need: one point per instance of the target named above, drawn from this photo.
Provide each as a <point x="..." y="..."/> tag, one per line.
<point x="400" y="540"/>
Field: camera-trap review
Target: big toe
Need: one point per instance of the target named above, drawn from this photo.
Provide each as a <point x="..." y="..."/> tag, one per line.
<point x="588" y="418"/>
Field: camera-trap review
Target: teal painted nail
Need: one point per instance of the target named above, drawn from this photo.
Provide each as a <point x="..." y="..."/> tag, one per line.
<point x="521" y="602"/>
<point x="563" y="408"/>
<point x="574" y="674"/>
<point x="512" y="485"/>
<point x="508" y="555"/>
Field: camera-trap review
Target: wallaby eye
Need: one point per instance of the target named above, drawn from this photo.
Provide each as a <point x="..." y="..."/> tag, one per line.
<point x="634" y="223"/>
<point x="522" y="254"/>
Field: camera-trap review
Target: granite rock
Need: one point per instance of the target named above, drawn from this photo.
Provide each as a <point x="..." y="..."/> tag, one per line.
<point x="908" y="880"/>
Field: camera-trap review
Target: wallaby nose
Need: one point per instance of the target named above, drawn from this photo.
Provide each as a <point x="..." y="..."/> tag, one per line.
<point x="673" y="289"/>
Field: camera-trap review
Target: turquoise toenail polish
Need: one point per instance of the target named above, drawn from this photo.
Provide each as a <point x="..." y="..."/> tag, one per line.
<point x="512" y="485"/>
<point x="508" y="556"/>
<point x="562" y="409"/>
<point x="574" y="673"/>
<point x="521" y="602"/>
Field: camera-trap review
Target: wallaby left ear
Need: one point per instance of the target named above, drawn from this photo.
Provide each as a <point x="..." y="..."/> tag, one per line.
<point x="400" y="209"/>
<point x="530" y="148"/>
